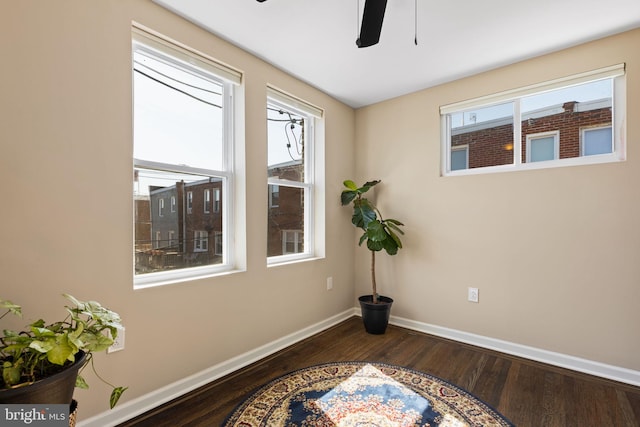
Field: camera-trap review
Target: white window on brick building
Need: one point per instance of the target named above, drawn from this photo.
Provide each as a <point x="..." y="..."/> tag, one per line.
<point x="597" y="140"/>
<point x="569" y="121"/>
<point x="207" y="201"/>
<point x="459" y="157"/>
<point x="200" y="241"/>
<point x="541" y="147"/>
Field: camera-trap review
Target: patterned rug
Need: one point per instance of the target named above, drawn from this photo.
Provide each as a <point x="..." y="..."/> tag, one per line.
<point x="362" y="394"/>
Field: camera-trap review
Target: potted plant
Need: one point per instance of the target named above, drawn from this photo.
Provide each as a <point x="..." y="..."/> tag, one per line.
<point x="42" y="364"/>
<point x="379" y="233"/>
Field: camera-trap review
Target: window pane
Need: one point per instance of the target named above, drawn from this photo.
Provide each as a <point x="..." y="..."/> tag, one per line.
<point x="177" y="113"/>
<point x="488" y="134"/>
<point x="181" y="236"/>
<point x="459" y="159"/>
<point x="542" y="149"/>
<point x="286" y="216"/>
<point x="597" y="141"/>
<point x="567" y="111"/>
<point x="286" y="141"/>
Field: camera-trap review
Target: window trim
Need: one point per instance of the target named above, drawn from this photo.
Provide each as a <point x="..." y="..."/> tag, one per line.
<point x="234" y="255"/>
<point x="313" y="172"/>
<point x="614" y="72"/>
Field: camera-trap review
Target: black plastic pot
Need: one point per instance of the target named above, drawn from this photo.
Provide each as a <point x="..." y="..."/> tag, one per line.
<point x="56" y="389"/>
<point x="375" y="316"/>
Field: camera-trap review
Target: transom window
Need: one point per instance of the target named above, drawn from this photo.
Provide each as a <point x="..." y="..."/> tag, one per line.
<point x="183" y="144"/>
<point x="569" y="121"/>
<point x="291" y="174"/>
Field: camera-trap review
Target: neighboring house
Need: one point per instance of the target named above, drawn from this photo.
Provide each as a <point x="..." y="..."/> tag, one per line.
<point x="286" y="211"/>
<point x="185" y="227"/>
<point x="567" y="130"/>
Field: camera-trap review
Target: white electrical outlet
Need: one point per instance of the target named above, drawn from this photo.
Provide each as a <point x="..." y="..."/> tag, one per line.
<point x="473" y="295"/>
<point x="118" y="342"/>
<point x="329" y="283"/>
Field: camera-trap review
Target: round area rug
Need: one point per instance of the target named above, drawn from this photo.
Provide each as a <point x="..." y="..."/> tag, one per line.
<point x="362" y="394"/>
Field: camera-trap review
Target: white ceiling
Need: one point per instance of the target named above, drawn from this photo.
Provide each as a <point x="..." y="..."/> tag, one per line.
<point x="314" y="40"/>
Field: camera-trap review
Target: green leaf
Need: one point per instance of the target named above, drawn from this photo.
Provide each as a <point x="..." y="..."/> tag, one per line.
<point x="11" y="372"/>
<point x="375" y="231"/>
<point x="93" y="342"/>
<point x="393" y="226"/>
<point x="115" y="395"/>
<point x="390" y="246"/>
<point x="362" y="239"/>
<point x="367" y="185"/>
<point x="11" y="307"/>
<point x="350" y="185"/>
<point x="375" y="246"/>
<point x="347" y="197"/>
<point x="363" y="214"/>
<point x="81" y="383"/>
<point x="61" y="351"/>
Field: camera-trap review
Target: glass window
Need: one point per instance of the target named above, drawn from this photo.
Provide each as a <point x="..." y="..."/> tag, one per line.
<point x="558" y="123"/>
<point x="183" y="143"/>
<point x="207" y="201"/>
<point x="291" y="172"/>
<point x="542" y="147"/>
<point x="459" y="157"/>
<point x="597" y="141"/>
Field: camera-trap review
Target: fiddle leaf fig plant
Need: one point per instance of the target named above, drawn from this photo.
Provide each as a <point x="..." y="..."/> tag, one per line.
<point x="42" y="349"/>
<point x="379" y="233"/>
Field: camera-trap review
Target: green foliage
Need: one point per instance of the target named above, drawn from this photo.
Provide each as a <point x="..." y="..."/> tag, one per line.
<point x="378" y="233"/>
<point x="44" y="349"/>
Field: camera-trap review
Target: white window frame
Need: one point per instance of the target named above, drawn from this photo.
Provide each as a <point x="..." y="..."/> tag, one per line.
<point x="207" y="200"/>
<point x="173" y="204"/>
<point x="297" y="242"/>
<point x="218" y="242"/>
<point x="200" y="241"/>
<point x="189" y="202"/>
<point x="233" y="238"/>
<point x="464" y="148"/>
<point x="583" y="132"/>
<point x="161" y="207"/>
<point x="313" y="185"/>
<point x="541" y="135"/>
<point x="216" y="200"/>
<point x="274" y="202"/>
<point x="615" y="72"/>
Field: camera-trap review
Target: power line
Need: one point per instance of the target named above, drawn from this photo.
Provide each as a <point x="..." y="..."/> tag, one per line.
<point x="176" y="89"/>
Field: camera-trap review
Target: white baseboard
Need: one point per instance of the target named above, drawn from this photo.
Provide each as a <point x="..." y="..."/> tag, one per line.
<point x="128" y="410"/>
<point x="616" y="373"/>
<point x="142" y="404"/>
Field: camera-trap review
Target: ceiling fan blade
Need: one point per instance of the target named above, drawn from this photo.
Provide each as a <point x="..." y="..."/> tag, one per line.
<point x="371" y="22"/>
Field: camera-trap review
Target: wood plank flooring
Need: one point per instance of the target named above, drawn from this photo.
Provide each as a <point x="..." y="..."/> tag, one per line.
<point x="528" y="393"/>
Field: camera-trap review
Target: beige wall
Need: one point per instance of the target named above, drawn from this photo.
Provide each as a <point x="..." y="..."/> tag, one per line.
<point x="65" y="170"/>
<point x="65" y="181"/>
<point x="554" y="252"/>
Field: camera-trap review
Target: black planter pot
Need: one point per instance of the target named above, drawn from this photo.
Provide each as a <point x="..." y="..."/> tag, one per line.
<point x="375" y="316"/>
<point x="56" y="389"/>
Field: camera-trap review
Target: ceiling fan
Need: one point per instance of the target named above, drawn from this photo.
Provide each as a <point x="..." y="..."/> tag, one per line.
<point x="371" y="22"/>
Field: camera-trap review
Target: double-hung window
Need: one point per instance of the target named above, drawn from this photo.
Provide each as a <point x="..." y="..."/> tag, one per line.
<point x="183" y="150"/>
<point x="569" y="121"/>
<point x="294" y="166"/>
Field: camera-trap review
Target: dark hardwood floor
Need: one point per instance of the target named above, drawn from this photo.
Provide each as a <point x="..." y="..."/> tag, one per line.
<point x="528" y="393"/>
